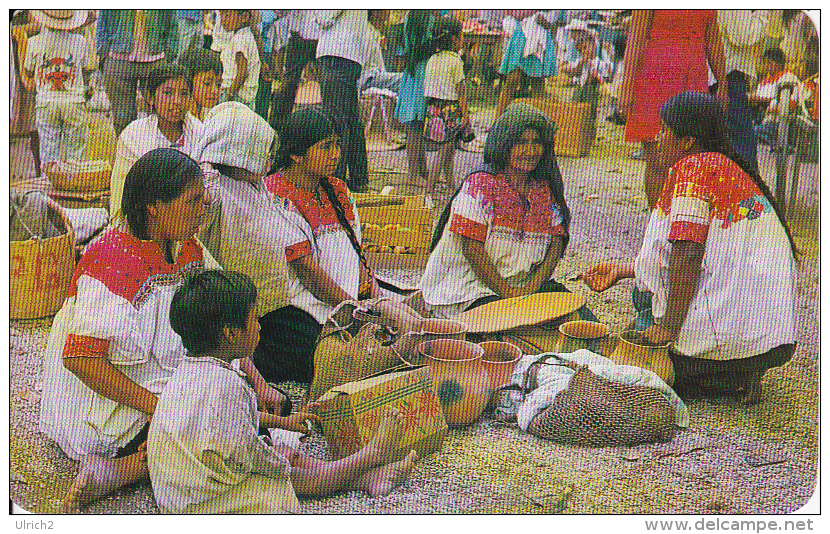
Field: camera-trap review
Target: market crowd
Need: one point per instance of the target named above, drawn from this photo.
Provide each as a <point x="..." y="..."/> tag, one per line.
<point x="234" y="235"/>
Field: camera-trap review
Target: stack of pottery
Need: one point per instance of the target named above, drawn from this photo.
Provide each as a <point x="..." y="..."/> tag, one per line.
<point x="626" y="348"/>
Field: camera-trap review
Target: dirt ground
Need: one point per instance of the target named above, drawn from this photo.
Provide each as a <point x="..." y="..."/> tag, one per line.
<point x="731" y="460"/>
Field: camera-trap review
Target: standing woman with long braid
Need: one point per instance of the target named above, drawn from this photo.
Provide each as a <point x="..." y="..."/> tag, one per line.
<point x="326" y="265"/>
<point x="716" y="274"/>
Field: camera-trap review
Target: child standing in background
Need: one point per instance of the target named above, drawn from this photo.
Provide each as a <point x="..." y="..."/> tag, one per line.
<point x="240" y="59"/>
<point x="60" y="63"/>
<point x="206" y="69"/>
<point x="445" y="91"/>
<point x="589" y="72"/>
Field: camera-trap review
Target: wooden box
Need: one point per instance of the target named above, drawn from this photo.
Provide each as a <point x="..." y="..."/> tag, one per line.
<point x="396" y="236"/>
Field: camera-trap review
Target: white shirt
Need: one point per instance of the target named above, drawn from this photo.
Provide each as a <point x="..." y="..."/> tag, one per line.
<point x="597" y="66"/>
<point x="445" y="70"/>
<point x="303" y="21"/>
<point x="343" y="34"/>
<point x="242" y="41"/>
<point x="122" y="305"/>
<point x="203" y="447"/>
<point x="745" y="300"/>
<point x="58" y="59"/>
<point x="244" y="234"/>
<point x="221" y="36"/>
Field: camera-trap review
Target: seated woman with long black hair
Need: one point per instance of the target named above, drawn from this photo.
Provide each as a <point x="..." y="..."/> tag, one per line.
<point x="322" y="240"/>
<point x="508" y="222"/>
<point x="716" y="274"/>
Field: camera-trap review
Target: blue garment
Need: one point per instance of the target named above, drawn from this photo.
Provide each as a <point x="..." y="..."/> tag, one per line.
<point x="530" y="65"/>
<point x="269" y="17"/>
<point x="411" y="104"/>
<point x="193" y="14"/>
<point x="115" y="32"/>
<point x="642" y="305"/>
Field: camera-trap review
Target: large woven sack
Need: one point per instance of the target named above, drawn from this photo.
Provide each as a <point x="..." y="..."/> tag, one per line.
<point x="102" y="140"/>
<point x="360" y="339"/>
<point x="75" y="175"/>
<point x="599" y="412"/>
<point x="40" y="267"/>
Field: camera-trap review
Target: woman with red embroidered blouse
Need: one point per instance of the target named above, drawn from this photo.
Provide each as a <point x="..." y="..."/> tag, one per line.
<point x="326" y="265"/>
<point x="508" y="222"/>
<point x="716" y="273"/>
<point x="111" y="348"/>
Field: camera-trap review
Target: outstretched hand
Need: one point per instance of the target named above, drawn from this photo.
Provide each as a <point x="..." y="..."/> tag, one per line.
<point x="603" y="275"/>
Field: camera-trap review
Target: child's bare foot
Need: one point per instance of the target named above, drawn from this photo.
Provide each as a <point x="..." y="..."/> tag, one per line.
<point x="388" y="436"/>
<point x="99" y="476"/>
<point x="386" y="478"/>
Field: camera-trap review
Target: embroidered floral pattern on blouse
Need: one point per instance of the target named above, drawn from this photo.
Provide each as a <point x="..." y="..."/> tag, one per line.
<point x="85" y="346"/>
<point x="707" y="186"/>
<point x="464" y="226"/>
<point x="319" y="213"/>
<point x="297" y="251"/>
<point x="131" y="267"/>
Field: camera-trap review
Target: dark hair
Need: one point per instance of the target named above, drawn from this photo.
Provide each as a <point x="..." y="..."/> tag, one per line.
<point x="701" y="116"/>
<point x="163" y="73"/>
<point x="501" y="139"/>
<point x="301" y="131"/>
<point x="445" y="29"/>
<point x="197" y="60"/>
<point x="158" y="176"/>
<point x="418" y="38"/>
<point x="776" y="55"/>
<point x="206" y="303"/>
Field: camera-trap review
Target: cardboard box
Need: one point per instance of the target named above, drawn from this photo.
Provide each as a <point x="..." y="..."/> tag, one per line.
<point x="575" y="131"/>
<point x="350" y="413"/>
<point x="408" y="226"/>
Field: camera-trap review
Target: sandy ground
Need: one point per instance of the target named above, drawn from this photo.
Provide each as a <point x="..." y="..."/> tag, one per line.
<point x="732" y="460"/>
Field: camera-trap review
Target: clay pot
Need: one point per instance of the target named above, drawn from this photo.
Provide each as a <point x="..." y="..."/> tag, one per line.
<point x="589" y="335"/>
<point x="458" y="378"/>
<point x="631" y="351"/>
<point x="428" y="330"/>
<point x="498" y="360"/>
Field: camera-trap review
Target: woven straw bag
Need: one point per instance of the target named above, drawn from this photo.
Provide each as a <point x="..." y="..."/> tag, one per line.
<point x="41" y="269"/>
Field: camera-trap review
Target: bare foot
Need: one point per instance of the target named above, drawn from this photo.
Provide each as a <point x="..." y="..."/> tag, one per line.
<point x="385" y="479"/>
<point x="388" y="436"/>
<point x="99" y="476"/>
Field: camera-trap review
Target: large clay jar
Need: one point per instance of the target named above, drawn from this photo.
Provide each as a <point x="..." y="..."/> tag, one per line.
<point x="632" y="351"/>
<point x="458" y="378"/>
<point x="589" y="335"/>
<point x="428" y="330"/>
<point x="498" y="360"/>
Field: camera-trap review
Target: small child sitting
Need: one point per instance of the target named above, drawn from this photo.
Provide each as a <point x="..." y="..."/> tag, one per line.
<point x="60" y="63"/>
<point x="240" y="58"/>
<point x="205" y="453"/>
<point x="206" y="71"/>
<point x="589" y="71"/>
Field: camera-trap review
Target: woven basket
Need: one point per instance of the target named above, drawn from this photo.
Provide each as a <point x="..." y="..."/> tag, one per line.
<point x="79" y="175"/>
<point x="40" y="270"/>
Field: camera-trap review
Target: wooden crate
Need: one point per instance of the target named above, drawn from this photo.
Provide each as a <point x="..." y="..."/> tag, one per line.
<point x="408" y="225"/>
<point x="575" y="132"/>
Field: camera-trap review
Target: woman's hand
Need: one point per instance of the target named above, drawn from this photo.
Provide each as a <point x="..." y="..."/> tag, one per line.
<point x="270" y="400"/>
<point x="296" y="422"/>
<point x="659" y="335"/>
<point x="604" y="275"/>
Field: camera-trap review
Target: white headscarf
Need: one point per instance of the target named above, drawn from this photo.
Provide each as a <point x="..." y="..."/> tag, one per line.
<point x="235" y="136"/>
